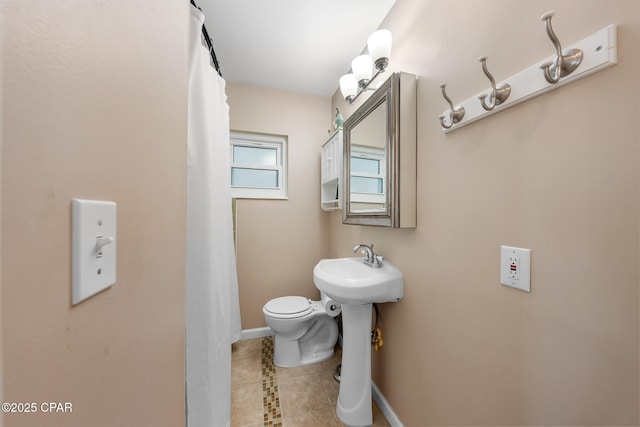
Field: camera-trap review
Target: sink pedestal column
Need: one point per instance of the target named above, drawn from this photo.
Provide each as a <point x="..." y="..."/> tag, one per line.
<point x="354" y="398"/>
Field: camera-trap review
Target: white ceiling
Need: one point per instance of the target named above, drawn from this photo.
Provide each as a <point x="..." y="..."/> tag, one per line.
<point x="294" y="45"/>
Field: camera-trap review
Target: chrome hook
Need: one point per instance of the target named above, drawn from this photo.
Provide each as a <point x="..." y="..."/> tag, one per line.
<point x="498" y="94"/>
<point x="563" y="64"/>
<point x="456" y="114"/>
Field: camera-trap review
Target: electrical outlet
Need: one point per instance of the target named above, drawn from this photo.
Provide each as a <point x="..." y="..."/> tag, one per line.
<point x="515" y="267"/>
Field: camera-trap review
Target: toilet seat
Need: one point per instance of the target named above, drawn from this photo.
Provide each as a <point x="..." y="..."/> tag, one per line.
<point x="288" y="307"/>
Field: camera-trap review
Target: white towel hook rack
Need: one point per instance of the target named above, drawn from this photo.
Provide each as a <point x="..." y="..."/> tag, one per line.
<point x="594" y="53"/>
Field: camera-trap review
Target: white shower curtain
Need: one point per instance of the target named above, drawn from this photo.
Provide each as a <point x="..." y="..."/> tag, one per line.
<point x="213" y="312"/>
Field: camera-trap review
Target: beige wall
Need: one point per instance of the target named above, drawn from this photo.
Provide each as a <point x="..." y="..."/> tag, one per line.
<point x="94" y="106"/>
<point x="280" y="241"/>
<point x="558" y="174"/>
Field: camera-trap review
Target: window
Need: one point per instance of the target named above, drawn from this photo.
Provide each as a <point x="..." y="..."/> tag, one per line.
<point x="367" y="174"/>
<point x="258" y="166"/>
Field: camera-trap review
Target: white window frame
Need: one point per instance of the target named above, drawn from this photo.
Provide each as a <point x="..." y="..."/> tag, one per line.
<point x="257" y="140"/>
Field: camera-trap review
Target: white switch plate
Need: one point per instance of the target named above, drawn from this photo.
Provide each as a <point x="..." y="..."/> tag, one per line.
<point x="515" y="267"/>
<point x="93" y="266"/>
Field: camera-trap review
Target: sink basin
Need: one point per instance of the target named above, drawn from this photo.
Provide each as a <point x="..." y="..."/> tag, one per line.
<point x="350" y="280"/>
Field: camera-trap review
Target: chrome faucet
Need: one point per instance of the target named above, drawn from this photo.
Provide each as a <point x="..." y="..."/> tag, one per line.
<point x="370" y="258"/>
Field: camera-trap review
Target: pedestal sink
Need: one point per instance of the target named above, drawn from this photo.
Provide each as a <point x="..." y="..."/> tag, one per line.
<point x="357" y="286"/>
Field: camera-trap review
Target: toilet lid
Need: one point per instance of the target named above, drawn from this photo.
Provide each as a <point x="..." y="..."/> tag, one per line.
<point x="289" y="306"/>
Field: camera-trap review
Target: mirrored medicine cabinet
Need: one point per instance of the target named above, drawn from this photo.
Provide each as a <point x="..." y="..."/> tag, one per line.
<point x="380" y="157"/>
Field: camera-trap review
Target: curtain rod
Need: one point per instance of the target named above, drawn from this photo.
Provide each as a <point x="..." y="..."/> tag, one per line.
<point x="209" y="43"/>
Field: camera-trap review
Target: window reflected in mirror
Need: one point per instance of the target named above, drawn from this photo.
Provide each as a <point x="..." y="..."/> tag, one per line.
<point x="368" y="167"/>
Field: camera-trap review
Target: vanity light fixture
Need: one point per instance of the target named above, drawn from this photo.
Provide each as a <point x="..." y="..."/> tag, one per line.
<point x="361" y="76"/>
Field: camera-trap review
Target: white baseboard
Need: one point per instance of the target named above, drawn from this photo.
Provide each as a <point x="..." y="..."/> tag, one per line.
<point x="248" y="334"/>
<point x="384" y="406"/>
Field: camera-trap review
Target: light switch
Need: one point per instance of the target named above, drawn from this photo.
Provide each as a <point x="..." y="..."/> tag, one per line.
<point x="93" y="244"/>
<point x="515" y="267"/>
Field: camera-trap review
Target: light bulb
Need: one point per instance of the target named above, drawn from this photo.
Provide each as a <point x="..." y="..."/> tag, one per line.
<point x="362" y="68"/>
<point x="348" y="86"/>
<point x="379" y="46"/>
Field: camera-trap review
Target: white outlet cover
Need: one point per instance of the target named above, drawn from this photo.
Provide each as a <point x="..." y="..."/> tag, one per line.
<point x="93" y="270"/>
<point x="515" y="267"/>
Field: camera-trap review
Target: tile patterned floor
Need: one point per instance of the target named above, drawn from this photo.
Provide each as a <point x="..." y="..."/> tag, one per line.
<point x="270" y="393"/>
<point x="266" y="395"/>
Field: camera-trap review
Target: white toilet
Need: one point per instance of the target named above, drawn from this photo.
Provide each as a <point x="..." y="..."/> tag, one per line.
<point x="306" y="331"/>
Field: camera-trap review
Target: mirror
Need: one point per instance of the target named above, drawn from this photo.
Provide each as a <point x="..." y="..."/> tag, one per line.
<point x="380" y="157"/>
